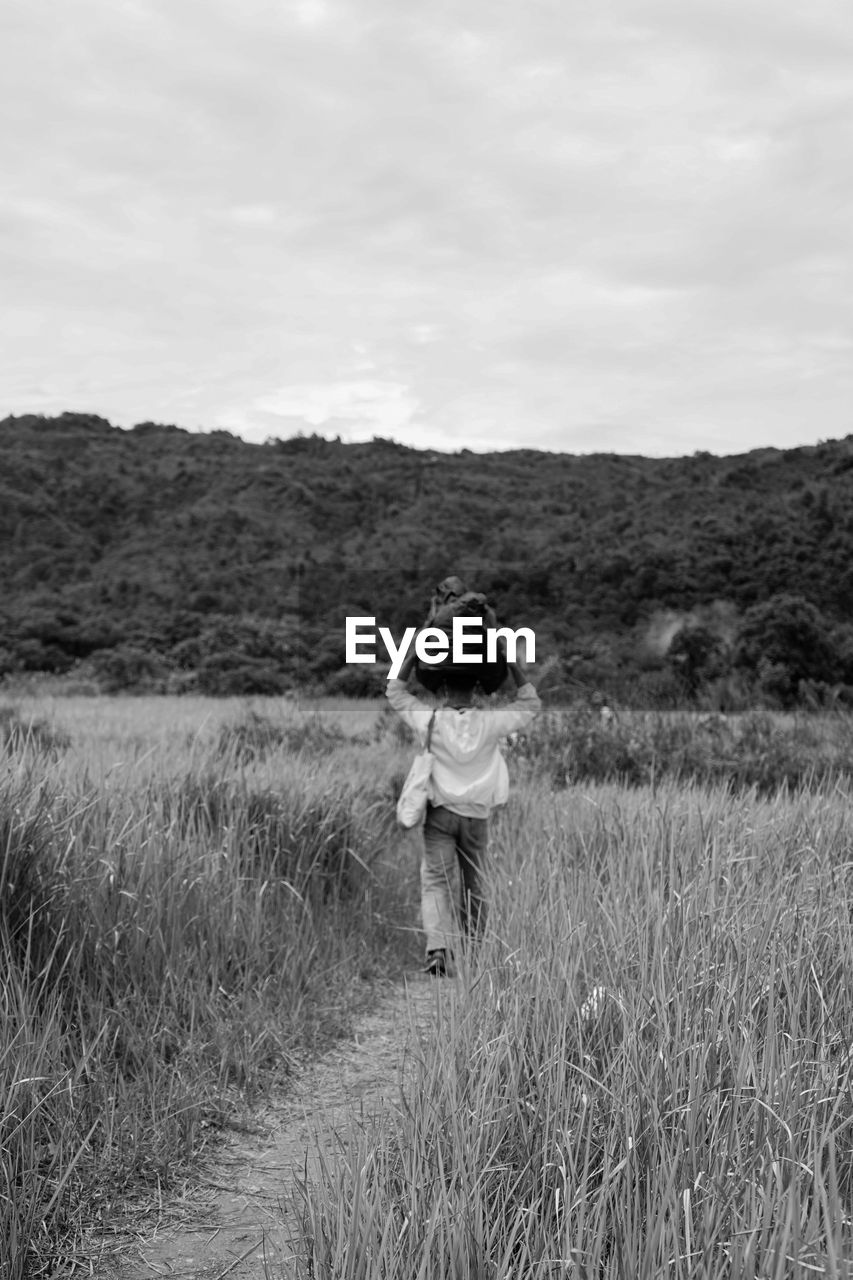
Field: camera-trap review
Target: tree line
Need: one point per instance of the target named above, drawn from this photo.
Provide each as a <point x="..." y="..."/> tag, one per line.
<point x="156" y="558"/>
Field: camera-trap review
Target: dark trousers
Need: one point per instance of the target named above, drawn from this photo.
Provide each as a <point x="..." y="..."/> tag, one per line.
<point x="452" y="869"/>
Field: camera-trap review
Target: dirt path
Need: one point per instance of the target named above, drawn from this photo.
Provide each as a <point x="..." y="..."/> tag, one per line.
<point x="239" y="1218"/>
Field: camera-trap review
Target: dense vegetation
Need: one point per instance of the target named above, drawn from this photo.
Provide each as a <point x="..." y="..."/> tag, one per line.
<point x="648" y="1060"/>
<point x="172" y="561"/>
<point x="646" y="1068"/>
<point x="188" y="906"/>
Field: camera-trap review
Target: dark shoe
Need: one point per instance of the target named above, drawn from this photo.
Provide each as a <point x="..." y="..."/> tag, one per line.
<point x="436" y="964"/>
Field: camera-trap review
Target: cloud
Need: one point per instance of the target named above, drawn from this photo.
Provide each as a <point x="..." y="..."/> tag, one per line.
<point x="369" y="406"/>
<point x="633" y="226"/>
<point x="252" y="215"/>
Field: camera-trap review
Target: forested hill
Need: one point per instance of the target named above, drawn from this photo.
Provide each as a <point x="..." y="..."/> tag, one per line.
<point x="169" y="559"/>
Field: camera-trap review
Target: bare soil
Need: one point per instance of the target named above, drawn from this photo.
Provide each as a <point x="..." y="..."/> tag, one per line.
<point x="239" y="1217"/>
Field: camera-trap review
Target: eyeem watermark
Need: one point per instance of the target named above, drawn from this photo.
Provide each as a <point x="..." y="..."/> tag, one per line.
<point x="432" y="644"/>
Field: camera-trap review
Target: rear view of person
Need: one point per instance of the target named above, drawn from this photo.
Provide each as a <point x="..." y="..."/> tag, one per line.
<point x="469" y="779"/>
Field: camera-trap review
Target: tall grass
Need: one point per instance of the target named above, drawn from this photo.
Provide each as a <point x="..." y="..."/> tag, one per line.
<point x="645" y="1069"/>
<point x="759" y="749"/>
<point x="177" y="926"/>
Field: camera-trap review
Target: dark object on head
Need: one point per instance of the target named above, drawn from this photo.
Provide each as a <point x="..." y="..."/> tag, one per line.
<point x="450" y="589"/>
<point x="463" y="675"/>
<point x="452" y="598"/>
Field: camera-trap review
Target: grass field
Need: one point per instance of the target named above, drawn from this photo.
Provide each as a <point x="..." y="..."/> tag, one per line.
<point x="646" y="1070"/>
<point x="649" y="1073"/>
<point x="192" y="895"/>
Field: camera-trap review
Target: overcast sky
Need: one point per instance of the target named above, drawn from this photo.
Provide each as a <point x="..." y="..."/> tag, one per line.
<point x="624" y="225"/>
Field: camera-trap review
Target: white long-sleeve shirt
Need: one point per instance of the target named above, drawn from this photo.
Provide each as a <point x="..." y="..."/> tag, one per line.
<point x="469" y="774"/>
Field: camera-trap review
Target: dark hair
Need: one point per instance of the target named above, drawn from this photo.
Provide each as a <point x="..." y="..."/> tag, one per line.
<point x="453" y="687"/>
<point x="488" y="675"/>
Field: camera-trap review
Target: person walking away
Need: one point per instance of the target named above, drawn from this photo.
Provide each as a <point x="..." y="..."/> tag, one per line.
<point x="469" y="779"/>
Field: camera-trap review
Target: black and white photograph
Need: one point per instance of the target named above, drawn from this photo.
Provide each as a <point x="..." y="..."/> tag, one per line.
<point x="426" y="640"/>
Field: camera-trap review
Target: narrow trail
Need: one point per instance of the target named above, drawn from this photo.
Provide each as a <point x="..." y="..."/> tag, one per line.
<point x="239" y="1217"/>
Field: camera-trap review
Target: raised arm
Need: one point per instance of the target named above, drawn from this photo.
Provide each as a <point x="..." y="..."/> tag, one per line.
<point x="518" y="671"/>
<point x="407" y="665"/>
<point x="518" y="714"/>
<point x="417" y="715"/>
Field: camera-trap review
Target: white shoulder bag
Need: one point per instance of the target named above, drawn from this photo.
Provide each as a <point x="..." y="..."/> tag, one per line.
<point x="412" y="804"/>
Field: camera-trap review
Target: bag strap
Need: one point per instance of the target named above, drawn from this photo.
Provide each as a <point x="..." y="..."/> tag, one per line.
<point x="429" y="730"/>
